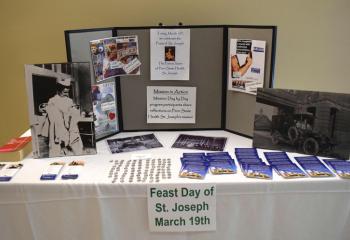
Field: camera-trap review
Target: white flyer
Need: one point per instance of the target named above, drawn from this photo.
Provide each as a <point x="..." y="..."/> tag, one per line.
<point x="246" y="65"/>
<point x="9" y="172"/>
<point x="171" y="104"/>
<point x="52" y="171"/>
<point x="170" y="54"/>
<point x="73" y="170"/>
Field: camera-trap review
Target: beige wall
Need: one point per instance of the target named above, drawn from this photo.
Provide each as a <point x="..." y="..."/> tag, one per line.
<point x="313" y="47"/>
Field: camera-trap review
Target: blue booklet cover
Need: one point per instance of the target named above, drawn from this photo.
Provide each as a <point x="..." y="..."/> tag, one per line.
<point x="193" y="171"/>
<point x="259" y="171"/>
<point x="289" y="171"/>
<point x="317" y="170"/>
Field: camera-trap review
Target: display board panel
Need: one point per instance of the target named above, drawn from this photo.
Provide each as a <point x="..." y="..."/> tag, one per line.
<point x="240" y="107"/>
<point x="205" y="74"/>
<point x="216" y="107"/>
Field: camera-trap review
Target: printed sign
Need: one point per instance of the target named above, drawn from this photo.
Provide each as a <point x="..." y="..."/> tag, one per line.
<point x="178" y="207"/>
<point x="171" y="104"/>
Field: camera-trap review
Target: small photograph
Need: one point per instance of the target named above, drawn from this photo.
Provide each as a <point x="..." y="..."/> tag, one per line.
<point x="308" y="122"/>
<point x="136" y="143"/>
<point x="200" y="142"/>
<point x="238" y="84"/>
<point x="77" y="163"/>
<point x="169" y="53"/>
<point x="15" y="166"/>
<point x="60" y="109"/>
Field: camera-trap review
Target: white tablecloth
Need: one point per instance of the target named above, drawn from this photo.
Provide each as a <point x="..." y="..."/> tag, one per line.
<point x="92" y="207"/>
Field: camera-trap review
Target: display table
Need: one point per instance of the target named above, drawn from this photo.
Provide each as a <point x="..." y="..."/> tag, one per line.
<point x="92" y="207"/>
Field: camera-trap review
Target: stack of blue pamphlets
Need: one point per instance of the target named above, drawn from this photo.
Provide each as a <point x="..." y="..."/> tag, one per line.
<point x="340" y="167"/>
<point x="281" y="163"/>
<point x="314" y="167"/>
<point x="251" y="164"/>
<point x="194" y="165"/>
<point x="221" y="163"/>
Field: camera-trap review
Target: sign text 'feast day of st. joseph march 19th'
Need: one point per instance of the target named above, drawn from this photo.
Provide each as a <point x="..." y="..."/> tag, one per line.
<point x="181" y="207"/>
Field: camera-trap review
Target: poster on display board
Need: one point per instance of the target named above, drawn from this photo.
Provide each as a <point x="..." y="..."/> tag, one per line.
<point x="104" y="101"/>
<point x="170" y="54"/>
<point x="115" y="56"/>
<point x="246" y="67"/>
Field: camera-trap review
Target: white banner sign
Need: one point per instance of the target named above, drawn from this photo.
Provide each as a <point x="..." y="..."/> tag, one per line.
<point x="179" y="207"/>
<point x="171" y="104"/>
<point x="170" y="54"/>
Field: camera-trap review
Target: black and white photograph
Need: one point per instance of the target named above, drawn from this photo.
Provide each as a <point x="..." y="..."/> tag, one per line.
<point x="200" y="142"/>
<point x="136" y="143"/>
<point x="60" y="109"/>
<point x="308" y="122"/>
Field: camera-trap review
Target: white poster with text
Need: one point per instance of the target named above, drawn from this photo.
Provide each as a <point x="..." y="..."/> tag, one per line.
<point x="171" y="104"/>
<point x="170" y="54"/>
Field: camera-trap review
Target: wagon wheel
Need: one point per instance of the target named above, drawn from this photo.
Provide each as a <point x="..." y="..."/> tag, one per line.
<point x="293" y="134"/>
<point x="311" y="146"/>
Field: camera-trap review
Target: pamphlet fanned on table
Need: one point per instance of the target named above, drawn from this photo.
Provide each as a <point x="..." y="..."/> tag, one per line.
<point x="170" y="54"/>
<point x="246" y="66"/>
<point x="105" y="109"/>
<point x="116" y="56"/>
<point x="171" y="104"/>
<point x="60" y="109"/>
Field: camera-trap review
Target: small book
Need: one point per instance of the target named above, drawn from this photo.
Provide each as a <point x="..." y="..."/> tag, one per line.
<point x="16" y="149"/>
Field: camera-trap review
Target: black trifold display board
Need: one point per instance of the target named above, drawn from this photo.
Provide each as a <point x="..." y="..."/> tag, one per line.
<point x="216" y="107"/>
